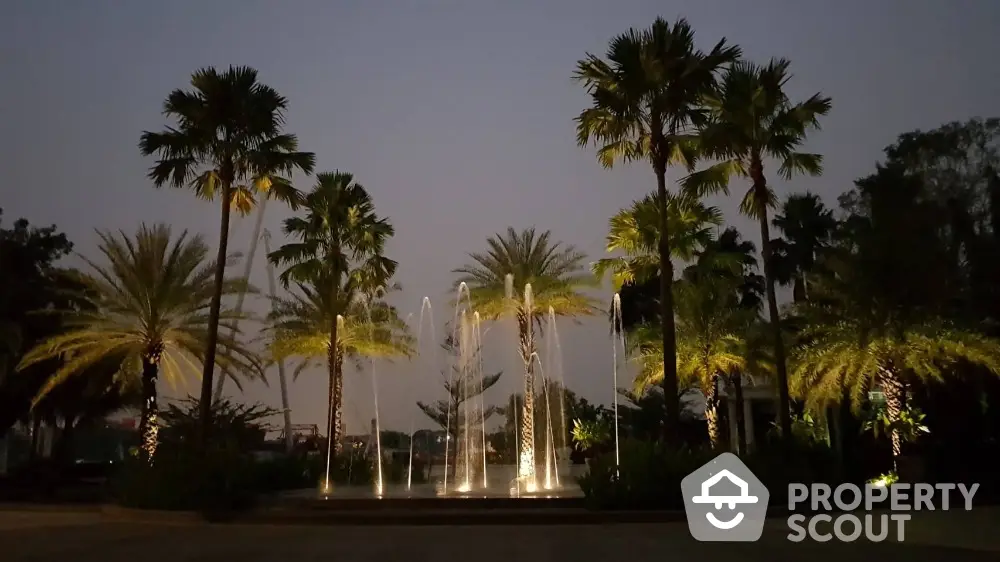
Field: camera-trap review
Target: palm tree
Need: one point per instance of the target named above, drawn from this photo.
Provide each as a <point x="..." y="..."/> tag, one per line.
<point x="148" y="309"/>
<point x="645" y="99"/>
<point x="227" y="142"/>
<point x="368" y="327"/>
<point x="340" y="249"/>
<point x="556" y="275"/>
<point x="711" y="344"/>
<point x="636" y="233"/>
<point x="877" y="315"/>
<point x="808" y="227"/>
<point x="752" y="119"/>
<point x="718" y="301"/>
<point x="853" y="354"/>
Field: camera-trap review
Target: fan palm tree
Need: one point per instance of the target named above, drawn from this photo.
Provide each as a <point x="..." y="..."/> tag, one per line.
<point x="752" y="119"/>
<point x="367" y="327"/>
<point x="646" y="97"/>
<point x="227" y="142"/>
<point x="808" y="227"/>
<point x="556" y="275"/>
<point x="340" y="245"/>
<point x="148" y="308"/>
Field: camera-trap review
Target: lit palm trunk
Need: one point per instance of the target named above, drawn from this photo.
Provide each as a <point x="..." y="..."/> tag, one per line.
<point x="148" y="422"/>
<point x="338" y="403"/>
<point x="712" y="413"/>
<point x="895" y="396"/>
<point x="526" y="462"/>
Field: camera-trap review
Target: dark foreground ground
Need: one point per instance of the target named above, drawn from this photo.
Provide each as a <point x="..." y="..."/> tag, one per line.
<point x="83" y="537"/>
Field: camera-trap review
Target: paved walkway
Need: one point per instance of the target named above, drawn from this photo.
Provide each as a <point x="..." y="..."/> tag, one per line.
<point x="84" y="537"/>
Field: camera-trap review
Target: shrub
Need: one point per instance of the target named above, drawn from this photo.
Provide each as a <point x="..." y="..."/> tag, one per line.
<point x="216" y="482"/>
<point x="648" y="477"/>
<point x="778" y="464"/>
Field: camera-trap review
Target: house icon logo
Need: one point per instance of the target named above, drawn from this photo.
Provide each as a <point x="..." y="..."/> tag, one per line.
<point x="724" y="501"/>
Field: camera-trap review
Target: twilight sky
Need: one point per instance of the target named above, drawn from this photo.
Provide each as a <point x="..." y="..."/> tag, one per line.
<point x="457" y="117"/>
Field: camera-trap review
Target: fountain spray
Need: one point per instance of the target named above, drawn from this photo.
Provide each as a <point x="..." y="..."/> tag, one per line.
<point x="482" y="404"/>
<point x="616" y="328"/>
<point x="425" y="304"/>
<point x="462" y="287"/>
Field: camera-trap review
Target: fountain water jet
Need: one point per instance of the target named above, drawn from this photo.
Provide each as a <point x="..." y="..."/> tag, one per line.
<point x="617" y="333"/>
<point x="553" y="346"/>
<point x="478" y="335"/>
<point x="462" y="287"/>
<point x="425" y="304"/>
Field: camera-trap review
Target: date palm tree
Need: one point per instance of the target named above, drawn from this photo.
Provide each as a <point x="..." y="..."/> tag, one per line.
<point x="752" y="119"/>
<point x="148" y="309"/>
<point x="339" y="252"/>
<point x="646" y="97"/>
<point x="850" y="349"/>
<point x="556" y="275"/>
<point x="227" y="142"/>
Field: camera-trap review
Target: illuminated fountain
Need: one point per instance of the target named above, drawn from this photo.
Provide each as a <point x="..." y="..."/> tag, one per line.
<point x="541" y="462"/>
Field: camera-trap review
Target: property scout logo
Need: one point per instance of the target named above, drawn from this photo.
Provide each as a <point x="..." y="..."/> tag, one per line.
<point x="725" y="502"/>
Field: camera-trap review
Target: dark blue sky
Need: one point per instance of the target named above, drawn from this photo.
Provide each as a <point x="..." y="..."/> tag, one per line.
<point x="457" y="116"/>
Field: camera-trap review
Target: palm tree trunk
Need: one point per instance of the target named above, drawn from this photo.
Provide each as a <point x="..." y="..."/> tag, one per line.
<point x="671" y="427"/>
<point x="760" y="195"/>
<point x="148" y="419"/>
<point x="338" y="404"/>
<point x="331" y="398"/>
<point x="526" y="463"/>
<point x="214" y="310"/>
<point x="712" y="412"/>
<point x="894" y="393"/>
<point x="247" y="269"/>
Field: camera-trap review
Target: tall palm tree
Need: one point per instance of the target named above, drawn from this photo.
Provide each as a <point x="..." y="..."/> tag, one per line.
<point x="148" y="309"/>
<point x="646" y="97"/>
<point x="808" y="227"/>
<point x="752" y="119"/>
<point x="556" y="275"/>
<point x="367" y="327"/>
<point x="340" y="243"/>
<point x="227" y="141"/>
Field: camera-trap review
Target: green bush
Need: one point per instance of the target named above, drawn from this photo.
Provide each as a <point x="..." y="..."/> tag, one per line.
<point x="285" y="473"/>
<point x="648" y="477"/>
<point x="777" y="464"/>
<point x="216" y="482"/>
